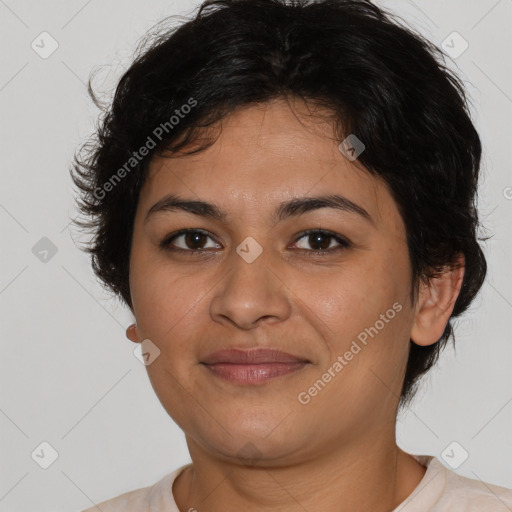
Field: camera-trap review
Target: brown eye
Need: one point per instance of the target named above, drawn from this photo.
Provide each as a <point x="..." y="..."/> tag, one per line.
<point x="323" y="241"/>
<point x="191" y="240"/>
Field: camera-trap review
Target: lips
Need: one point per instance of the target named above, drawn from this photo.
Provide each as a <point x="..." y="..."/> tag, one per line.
<point x="252" y="356"/>
<point x="252" y="367"/>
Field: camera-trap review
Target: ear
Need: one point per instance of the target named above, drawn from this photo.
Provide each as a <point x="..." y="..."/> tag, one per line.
<point x="435" y="304"/>
<point x="132" y="334"/>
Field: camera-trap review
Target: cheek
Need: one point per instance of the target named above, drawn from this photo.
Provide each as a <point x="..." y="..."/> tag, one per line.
<point x="163" y="298"/>
<point x="350" y="297"/>
<point x="361" y="307"/>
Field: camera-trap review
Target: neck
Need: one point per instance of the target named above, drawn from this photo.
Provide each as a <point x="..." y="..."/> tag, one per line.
<point x="368" y="476"/>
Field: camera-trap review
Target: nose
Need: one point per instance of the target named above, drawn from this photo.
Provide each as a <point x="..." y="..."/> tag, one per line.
<point x="251" y="293"/>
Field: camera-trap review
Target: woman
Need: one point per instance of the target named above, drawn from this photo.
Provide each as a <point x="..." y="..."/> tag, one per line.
<point x="283" y="193"/>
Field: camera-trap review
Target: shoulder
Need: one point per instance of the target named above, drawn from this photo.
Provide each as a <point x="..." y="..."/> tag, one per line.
<point x="158" y="496"/>
<point x="472" y="495"/>
<point x="137" y="499"/>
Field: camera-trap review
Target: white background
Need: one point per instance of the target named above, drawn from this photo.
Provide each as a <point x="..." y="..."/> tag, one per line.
<point x="68" y="375"/>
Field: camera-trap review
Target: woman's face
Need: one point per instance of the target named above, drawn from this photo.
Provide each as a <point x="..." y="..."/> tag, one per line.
<point x="258" y="283"/>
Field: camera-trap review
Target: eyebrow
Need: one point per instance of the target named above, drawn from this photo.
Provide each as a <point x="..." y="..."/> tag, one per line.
<point x="291" y="208"/>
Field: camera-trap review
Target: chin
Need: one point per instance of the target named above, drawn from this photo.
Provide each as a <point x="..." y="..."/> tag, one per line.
<point x="256" y="451"/>
<point x="251" y="442"/>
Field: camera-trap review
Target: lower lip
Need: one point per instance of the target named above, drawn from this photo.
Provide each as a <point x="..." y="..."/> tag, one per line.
<point x="251" y="374"/>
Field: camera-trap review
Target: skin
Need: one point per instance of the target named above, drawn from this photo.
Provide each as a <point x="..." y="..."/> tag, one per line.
<point x="339" y="451"/>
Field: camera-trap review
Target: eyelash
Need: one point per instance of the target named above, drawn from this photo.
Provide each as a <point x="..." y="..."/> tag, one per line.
<point x="344" y="243"/>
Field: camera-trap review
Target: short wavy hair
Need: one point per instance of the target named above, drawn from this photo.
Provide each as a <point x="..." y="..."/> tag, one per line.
<point x="381" y="81"/>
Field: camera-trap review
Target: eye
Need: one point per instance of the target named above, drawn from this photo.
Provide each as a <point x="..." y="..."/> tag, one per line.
<point x="193" y="241"/>
<point x="189" y="240"/>
<point x="323" y="241"/>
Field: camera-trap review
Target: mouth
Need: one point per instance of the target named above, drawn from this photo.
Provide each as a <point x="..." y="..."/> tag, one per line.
<point x="253" y="366"/>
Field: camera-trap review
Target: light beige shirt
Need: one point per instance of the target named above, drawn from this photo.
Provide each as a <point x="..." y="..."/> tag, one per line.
<point x="440" y="490"/>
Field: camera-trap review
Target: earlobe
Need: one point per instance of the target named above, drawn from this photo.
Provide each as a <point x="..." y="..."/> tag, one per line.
<point x="435" y="305"/>
<point x="132" y="334"/>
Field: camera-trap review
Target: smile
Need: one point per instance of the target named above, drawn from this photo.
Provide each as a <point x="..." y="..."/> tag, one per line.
<point x="252" y="366"/>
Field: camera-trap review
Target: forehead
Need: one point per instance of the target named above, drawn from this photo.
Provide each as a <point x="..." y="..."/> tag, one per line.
<point x="266" y="154"/>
